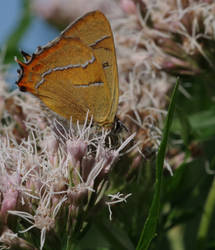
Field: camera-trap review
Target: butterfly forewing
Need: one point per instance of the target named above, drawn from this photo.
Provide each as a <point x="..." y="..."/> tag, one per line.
<point x="98" y="35"/>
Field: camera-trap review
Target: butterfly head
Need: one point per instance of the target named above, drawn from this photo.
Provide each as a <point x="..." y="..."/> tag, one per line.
<point x="23" y="81"/>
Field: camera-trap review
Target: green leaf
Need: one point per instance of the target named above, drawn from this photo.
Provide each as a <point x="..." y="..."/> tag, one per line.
<point x="206" y="219"/>
<point x="149" y="229"/>
<point x="186" y="129"/>
<point x="202" y="124"/>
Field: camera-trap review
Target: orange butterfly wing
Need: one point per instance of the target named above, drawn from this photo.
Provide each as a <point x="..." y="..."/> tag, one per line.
<point x="98" y="35"/>
<point x="76" y="73"/>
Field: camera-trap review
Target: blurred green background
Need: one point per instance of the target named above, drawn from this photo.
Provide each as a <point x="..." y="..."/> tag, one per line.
<point x="21" y="30"/>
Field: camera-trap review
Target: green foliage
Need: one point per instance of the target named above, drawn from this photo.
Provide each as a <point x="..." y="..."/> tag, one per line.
<point x="150" y="227"/>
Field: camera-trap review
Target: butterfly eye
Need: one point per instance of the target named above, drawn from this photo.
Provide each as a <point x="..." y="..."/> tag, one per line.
<point x="22" y="88"/>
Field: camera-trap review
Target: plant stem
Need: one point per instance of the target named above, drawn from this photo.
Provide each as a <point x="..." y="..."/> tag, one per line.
<point x="206" y="218"/>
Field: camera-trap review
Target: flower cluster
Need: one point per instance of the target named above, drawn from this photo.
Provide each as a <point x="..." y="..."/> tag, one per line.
<point x="155" y="44"/>
<point x="52" y="179"/>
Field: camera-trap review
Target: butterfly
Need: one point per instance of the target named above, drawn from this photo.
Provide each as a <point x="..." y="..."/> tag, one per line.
<point x="76" y="73"/>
